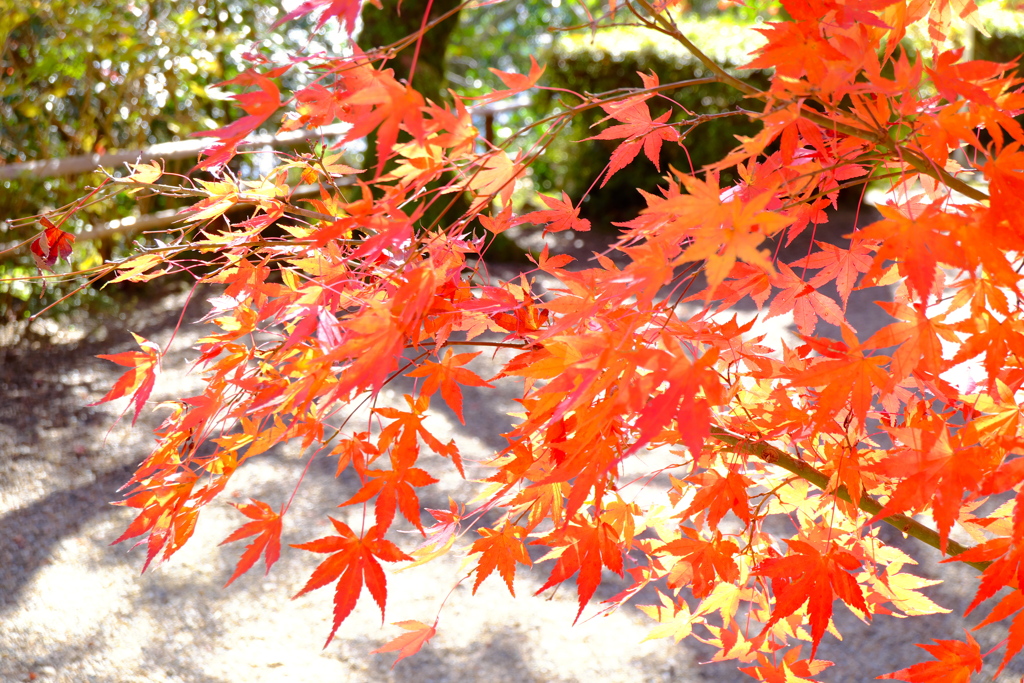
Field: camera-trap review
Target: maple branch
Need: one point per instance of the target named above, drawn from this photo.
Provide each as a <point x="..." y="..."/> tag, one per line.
<point x="775" y="456"/>
<point x="918" y="162"/>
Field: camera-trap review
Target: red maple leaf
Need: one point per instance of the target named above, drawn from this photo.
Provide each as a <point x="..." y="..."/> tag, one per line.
<point x="259" y="106"/>
<point x="586" y="547"/>
<point x="137" y="382"/>
<point x="51" y="245"/>
<point x="639" y="131"/>
<point x="808" y="575"/>
<point x="346" y="10"/>
<point x="955" y="662"/>
<point x="353" y="563"/>
<point x="266" y="527"/>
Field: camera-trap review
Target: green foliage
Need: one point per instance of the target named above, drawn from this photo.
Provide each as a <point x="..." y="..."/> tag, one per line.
<point x="90" y="78"/>
<point x="1005" y="39"/>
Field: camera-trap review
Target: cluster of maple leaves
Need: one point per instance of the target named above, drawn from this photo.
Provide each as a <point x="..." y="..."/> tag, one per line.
<point x="826" y="438"/>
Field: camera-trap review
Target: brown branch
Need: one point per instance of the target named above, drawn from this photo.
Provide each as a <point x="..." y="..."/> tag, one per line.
<point x="775" y="456"/>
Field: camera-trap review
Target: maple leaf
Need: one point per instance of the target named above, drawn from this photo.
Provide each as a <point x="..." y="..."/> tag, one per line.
<point x="796" y="49"/>
<point x="727" y="228"/>
<point x="144" y="174"/>
<point x="259" y="106"/>
<point x="804" y="300"/>
<point x="356" y="450"/>
<point x="808" y="575"/>
<point x="515" y="83"/>
<point x="448" y="375"/>
<point x="500" y="550"/>
<point x="52" y="245"/>
<point x="718" y="494"/>
<point x="266" y="527"/>
<point x="848" y="378"/>
<point x="494" y="174"/>
<point x="353" y="563"/>
<point x="347" y="12"/>
<point x="165" y="515"/>
<point x="790" y="669"/>
<point x="410" y="643"/>
<point x="222" y="196"/>
<point x="841" y="265"/>
<point x="1013" y="602"/>
<point x="406" y="426"/>
<point x="675" y="620"/>
<point x="582" y="546"/>
<point x="393" y="487"/>
<point x="561" y="215"/>
<point x="139" y="380"/>
<point x="918" y="338"/>
<point x="955" y="662"/>
<point x="917" y="243"/>
<point x="140" y="268"/>
<point x="640" y="132"/>
<point x="704" y="559"/>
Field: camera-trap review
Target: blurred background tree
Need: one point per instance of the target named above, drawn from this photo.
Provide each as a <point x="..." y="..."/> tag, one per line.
<point x="93" y="78"/>
<point x="85" y="78"/>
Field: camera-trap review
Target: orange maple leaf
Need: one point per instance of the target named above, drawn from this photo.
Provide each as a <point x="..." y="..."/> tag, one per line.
<point x="917" y="243"/>
<point x="410" y="643"/>
<point x="515" y="83"/>
<point x="165" y="515"/>
<point x="847" y="378"/>
<point x="561" y="215"/>
<point x="266" y="526"/>
<point x="448" y="375"/>
<point x="394" y="487"/>
<point x="790" y="669"/>
<point x="719" y="495"/>
<point x="406" y="426"/>
<point x="259" y="106"/>
<point x="353" y="562"/>
<point x="918" y="339"/>
<point x="704" y="559"/>
<point x="955" y="662"/>
<point x="137" y="382"/>
<point x="500" y="550"/>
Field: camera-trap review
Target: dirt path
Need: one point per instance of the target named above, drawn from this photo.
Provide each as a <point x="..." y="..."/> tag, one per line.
<point x="73" y="608"/>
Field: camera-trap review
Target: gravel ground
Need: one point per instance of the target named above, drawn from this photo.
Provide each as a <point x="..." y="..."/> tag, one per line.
<point x="75" y="608"/>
